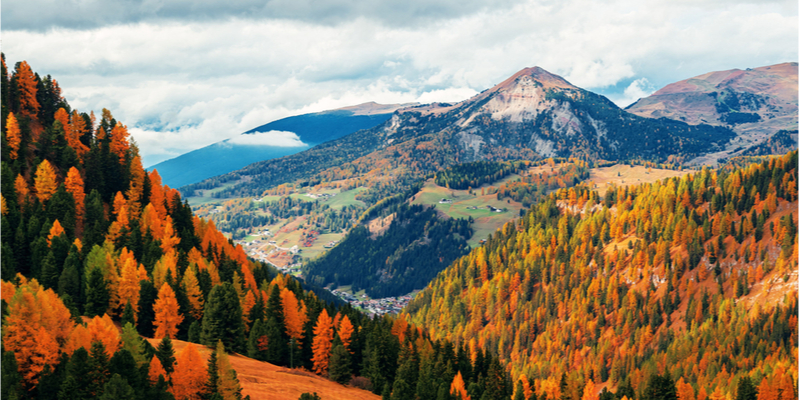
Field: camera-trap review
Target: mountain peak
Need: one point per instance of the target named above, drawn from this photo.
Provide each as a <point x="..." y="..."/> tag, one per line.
<point x="535" y="74"/>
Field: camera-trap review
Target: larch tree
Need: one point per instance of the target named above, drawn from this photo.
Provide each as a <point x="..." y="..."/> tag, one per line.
<point x="45" y="181"/>
<point x="13" y="136"/>
<point x="167" y="315"/>
<point x="294" y="315"/>
<point x="119" y="141"/>
<point x="27" y="88"/>
<point x="457" y="387"/>
<point x="128" y="285"/>
<point x="74" y="185"/>
<point x="193" y="292"/>
<point x="21" y="187"/>
<point x="190" y="376"/>
<point x="77" y="128"/>
<point x="323" y="339"/>
<point x="156" y="370"/>
<point x="55" y="230"/>
<point x="104" y="331"/>
<point x="345" y="332"/>
<point x="227" y="382"/>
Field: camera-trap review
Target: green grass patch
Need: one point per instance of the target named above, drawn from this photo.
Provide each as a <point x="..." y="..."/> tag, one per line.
<point x="347" y="198"/>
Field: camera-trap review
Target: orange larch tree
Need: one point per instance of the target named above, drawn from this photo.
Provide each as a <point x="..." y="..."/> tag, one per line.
<point x="227" y="384"/>
<point x="45" y="181"/>
<point x="167" y="315"/>
<point x="323" y="338"/>
<point x="190" y="375"/>
<point x="74" y="185"/>
<point x="13" y="137"/>
<point x="345" y="332"/>
<point x="457" y="387"/>
<point x="119" y="141"/>
<point x="62" y="116"/>
<point x="294" y="315"/>
<point x="27" y="87"/>
<point x="77" y="128"/>
<point x="55" y="230"/>
<point x="156" y="369"/>
<point x="21" y="187"/>
<point x="103" y="330"/>
<point x="128" y="286"/>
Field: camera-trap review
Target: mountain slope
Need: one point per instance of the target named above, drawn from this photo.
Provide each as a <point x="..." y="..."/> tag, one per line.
<point x="688" y="276"/>
<point x="755" y="103"/>
<point x="531" y="115"/>
<point x="273" y="140"/>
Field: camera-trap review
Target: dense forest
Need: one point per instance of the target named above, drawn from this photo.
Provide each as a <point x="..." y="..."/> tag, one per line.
<point x="686" y="284"/>
<point x="395" y="259"/>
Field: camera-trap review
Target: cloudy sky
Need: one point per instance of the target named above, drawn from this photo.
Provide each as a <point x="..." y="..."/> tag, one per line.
<point x="184" y="74"/>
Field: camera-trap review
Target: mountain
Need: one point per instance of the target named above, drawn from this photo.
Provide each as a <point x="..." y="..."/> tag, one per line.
<point x="273" y="140"/>
<point x="755" y="103"/>
<point x="682" y="280"/>
<point x="532" y="115"/>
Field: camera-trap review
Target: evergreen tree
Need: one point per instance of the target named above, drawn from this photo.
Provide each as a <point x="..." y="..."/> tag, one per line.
<point x="339" y="364"/>
<point x="257" y="342"/>
<point x="746" y="390"/>
<point x="98" y="368"/>
<point x="277" y="348"/>
<point x="127" y="315"/>
<point x="660" y="388"/>
<point x="97" y="296"/>
<point x="147" y="297"/>
<point x="117" y="388"/>
<point x="10" y="379"/>
<point x="222" y="319"/>
<point x="194" y="332"/>
<point x="166" y="354"/>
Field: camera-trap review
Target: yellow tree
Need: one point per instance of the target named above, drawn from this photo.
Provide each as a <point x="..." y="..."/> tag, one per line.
<point x="227" y="384"/>
<point x="167" y="315"/>
<point x="128" y="285"/>
<point x="103" y="330"/>
<point x="119" y="141"/>
<point x="13" y="137"/>
<point x="323" y="338"/>
<point x="45" y="181"/>
<point x="193" y="292"/>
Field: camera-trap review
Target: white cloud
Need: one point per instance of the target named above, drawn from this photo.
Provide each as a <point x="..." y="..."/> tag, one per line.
<point x="638" y="89"/>
<point x="182" y="82"/>
<point x="269" y="138"/>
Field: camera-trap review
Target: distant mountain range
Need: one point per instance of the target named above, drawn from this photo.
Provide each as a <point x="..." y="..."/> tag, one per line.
<point x="273" y="140"/>
<point x="755" y="103"/>
<point x="532" y="115"/>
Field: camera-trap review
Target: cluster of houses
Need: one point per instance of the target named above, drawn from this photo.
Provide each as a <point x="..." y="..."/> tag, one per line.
<point x="373" y="307"/>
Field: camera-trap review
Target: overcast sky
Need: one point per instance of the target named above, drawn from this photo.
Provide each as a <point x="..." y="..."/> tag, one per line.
<point x="184" y="74"/>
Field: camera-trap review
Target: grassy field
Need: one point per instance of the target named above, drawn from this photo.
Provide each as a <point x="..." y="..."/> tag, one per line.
<point x="624" y="175"/>
<point x="205" y="196"/>
<point x="465" y="205"/>
<point x="345" y="199"/>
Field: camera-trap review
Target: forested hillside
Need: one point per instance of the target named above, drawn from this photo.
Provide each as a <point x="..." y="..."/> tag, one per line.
<point x="687" y="285"/>
<point x="97" y="254"/>
<point x="402" y="257"/>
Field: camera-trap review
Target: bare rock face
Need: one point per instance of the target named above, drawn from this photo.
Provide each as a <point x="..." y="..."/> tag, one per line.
<point x="755" y="103"/>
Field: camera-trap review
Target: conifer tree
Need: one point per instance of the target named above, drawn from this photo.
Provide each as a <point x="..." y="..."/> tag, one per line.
<point x="117" y="388"/>
<point x="190" y="374"/>
<point x="45" y="181"/>
<point x="13" y="137"/>
<point x="339" y="369"/>
<point x="258" y="342"/>
<point x="222" y="319"/>
<point x="323" y="336"/>
<point x="167" y="316"/>
<point x="166" y="354"/>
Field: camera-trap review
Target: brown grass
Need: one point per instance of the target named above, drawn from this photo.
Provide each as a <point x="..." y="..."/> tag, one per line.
<point x="625" y="175"/>
<point x="263" y="380"/>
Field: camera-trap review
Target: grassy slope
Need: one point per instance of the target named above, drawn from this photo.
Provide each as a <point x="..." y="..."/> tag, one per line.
<point x="263" y="380"/>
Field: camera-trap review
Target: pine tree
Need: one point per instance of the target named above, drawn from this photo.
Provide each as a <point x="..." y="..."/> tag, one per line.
<point x="117" y="388"/>
<point x="147" y="297"/>
<point x="166" y="354"/>
<point x="222" y="319"/>
<point x="258" y="342"/>
<point x="339" y="365"/>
